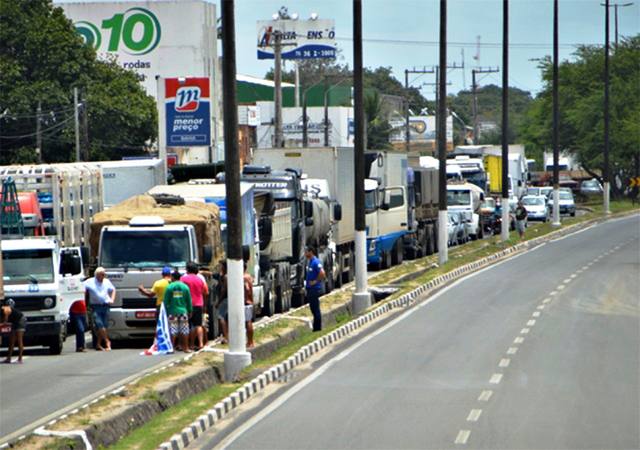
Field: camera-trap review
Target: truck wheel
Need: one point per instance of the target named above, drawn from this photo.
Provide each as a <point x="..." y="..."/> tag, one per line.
<point x="279" y="300"/>
<point x="268" y="308"/>
<point x="431" y="247"/>
<point x="340" y="265"/>
<point x="398" y="253"/>
<point x="386" y="260"/>
<point x="55" y="345"/>
<point x="297" y="298"/>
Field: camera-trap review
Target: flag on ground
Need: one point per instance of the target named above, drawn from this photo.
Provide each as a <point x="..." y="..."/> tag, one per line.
<point x="162" y="342"/>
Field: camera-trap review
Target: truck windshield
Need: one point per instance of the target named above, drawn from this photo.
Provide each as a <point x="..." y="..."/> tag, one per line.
<point x="478" y="178"/>
<point x="28" y="266"/>
<point x="458" y="198"/>
<point x="144" y="249"/>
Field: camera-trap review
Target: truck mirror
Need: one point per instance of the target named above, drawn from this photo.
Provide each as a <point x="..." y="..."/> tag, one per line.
<point x="265" y="229"/>
<point x="384" y="206"/>
<point x="246" y="253"/>
<point x="84" y="253"/>
<point x="308" y="221"/>
<point x="70" y="264"/>
<point x="308" y="208"/>
<point x="207" y="254"/>
<point x="337" y="212"/>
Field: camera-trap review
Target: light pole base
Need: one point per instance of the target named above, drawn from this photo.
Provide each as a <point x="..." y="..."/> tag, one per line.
<point x="234" y="362"/>
<point x="556" y="224"/>
<point x="360" y="301"/>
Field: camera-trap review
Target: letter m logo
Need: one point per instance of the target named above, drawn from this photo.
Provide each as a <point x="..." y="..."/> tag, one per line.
<point x="187" y="99"/>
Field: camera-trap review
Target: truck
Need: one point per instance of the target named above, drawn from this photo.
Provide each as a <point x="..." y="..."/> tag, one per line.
<point x="401" y="206"/>
<point x="210" y="191"/>
<point x="135" y="239"/>
<point x="282" y="220"/>
<point x="68" y="196"/>
<point x="467" y="199"/>
<point x="327" y="185"/>
<point x="127" y="178"/>
<point x="43" y="280"/>
<point x="471" y="168"/>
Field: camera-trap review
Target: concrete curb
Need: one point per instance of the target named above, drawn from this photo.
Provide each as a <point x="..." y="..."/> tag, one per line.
<point x="259" y="383"/>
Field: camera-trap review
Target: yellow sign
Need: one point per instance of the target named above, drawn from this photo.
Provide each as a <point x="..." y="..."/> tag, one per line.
<point x="634" y="182"/>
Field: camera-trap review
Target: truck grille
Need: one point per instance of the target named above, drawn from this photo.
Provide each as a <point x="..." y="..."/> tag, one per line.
<point x="138" y="303"/>
<point x="32" y="303"/>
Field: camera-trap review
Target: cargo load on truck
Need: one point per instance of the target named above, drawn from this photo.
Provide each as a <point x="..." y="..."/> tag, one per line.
<point x="205" y="218"/>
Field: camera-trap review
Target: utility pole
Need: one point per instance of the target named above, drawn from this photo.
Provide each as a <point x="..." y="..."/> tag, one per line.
<point x="605" y="174"/>
<point x="277" y="94"/>
<point x="407" y="137"/>
<point x="474" y="89"/>
<point x="237" y="357"/>
<point x="39" y="132"/>
<point x="85" y="128"/>
<point x="556" y="118"/>
<point x="615" y="7"/>
<point x="305" y="121"/>
<point x="505" y="120"/>
<point x="76" y="120"/>
<point x="361" y="299"/>
<point x="437" y="70"/>
<point x="441" y="126"/>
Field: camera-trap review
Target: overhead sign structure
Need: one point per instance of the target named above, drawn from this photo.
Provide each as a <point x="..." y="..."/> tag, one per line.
<point x="187" y="112"/>
<point x="422" y="130"/>
<point x="301" y="39"/>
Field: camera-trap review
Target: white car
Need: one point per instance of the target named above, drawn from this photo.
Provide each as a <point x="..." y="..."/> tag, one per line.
<point x="536" y="206"/>
<point x="566" y="203"/>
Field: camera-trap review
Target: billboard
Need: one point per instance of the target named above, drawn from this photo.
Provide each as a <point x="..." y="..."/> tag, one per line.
<point x="187" y="112"/>
<point x="301" y="39"/>
<point x="422" y="130"/>
<point x="340" y="127"/>
<point x="166" y="38"/>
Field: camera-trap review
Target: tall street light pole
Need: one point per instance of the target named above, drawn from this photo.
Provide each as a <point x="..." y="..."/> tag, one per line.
<point x="505" y="121"/>
<point x="361" y="298"/>
<point x="605" y="175"/>
<point x="556" y="117"/>
<point x="443" y="219"/>
<point x="237" y="357"/>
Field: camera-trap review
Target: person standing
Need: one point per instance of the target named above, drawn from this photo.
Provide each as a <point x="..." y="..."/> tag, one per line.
<point x="99" y="294"/>
<point x="247" y="282"/>
<point x="521" y="218"/>
<point x="78" y="317"/>
<point x="177" y="302"/>
<point x="199" y="290"/>
<point x="222" y="304"/>
<point x="314" y="285"/>
<point x="18" y="321"/>
<point x="158" y="289"/>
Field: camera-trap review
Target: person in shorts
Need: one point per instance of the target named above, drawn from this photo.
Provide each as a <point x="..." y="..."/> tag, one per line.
<point x="177" y="302"/>
<point x="521" y="218"/>
<point x="15" y="317"/>
<point x="199" y="290"/>
<point x="247" y="283"/>
<point x="99" y="294"/>
<point x="222" y="304"/>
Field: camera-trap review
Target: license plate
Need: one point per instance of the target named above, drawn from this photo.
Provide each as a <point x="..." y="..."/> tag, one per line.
<point x="5" y="328"/>
<point x="145" y="314"/>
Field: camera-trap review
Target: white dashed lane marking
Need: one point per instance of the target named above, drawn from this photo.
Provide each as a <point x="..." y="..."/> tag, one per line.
<point x="504" y="362"/>
<point x="524" y="331"/>
<point x="463" y="437"/>
<point x="512" y="350"/>
<point x="496" y="378"/>
<point x="531" y="323"/>
<point x="573" y="275"/>
<point x="518" y="340"/>
<point x="536" y="314"/>
<point x="485" y="396"/>
<point x="567" y="280"/>
<point x="561" y="287"/>
<point x="474" y="415"/>
<point x="540" y="306"/>
<point x="552" y="293"/>
<point x="546" y="300"/>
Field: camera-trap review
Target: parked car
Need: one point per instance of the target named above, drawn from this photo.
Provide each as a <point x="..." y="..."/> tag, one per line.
<point x="566" y="202"/>
<point x="537" y="208"/>
<point x="591" y="187"/>
<point x="535" y="190"/>
<point x="546" y="191"/>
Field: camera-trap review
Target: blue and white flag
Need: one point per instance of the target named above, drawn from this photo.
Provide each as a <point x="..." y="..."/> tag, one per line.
<point x="162" y="343"/>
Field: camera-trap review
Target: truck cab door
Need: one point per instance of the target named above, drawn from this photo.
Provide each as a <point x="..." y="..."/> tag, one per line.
<point x="393" y="210"/>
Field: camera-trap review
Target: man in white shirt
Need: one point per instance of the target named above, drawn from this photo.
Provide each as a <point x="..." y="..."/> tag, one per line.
<point x="99" y="293"/>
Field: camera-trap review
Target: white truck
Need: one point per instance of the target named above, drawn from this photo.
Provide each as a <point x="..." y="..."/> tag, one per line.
<point x="327" y="176"/>
<point x="127" y="178"/>
<point x="43" y="280"/>
<point x="135" y="239"/>
<point x="466" y="198"/>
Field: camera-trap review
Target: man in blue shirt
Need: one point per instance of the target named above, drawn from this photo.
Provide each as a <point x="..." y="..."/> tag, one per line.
<point x="314" y="285"/>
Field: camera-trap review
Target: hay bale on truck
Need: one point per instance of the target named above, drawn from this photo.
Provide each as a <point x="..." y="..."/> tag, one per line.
<point x="136" y="238"/>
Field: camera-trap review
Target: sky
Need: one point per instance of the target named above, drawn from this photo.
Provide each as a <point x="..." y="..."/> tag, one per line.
<point x="404" y="34"/>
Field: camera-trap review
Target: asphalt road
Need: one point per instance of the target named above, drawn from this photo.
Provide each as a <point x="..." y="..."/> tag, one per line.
<point x="541" y="351"/>
<point x="45" y="384"/>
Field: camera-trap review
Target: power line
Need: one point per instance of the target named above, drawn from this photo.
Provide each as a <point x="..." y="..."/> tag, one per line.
<point x="497" y="45"/>
<point x="24" y="136"/>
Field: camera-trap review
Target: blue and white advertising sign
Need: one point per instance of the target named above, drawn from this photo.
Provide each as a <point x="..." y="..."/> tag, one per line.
<point x="301" y="39"/>
<point x="188" y="112"/>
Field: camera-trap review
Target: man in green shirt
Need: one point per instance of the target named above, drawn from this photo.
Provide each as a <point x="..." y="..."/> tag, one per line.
<point x="177" y="302"/>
